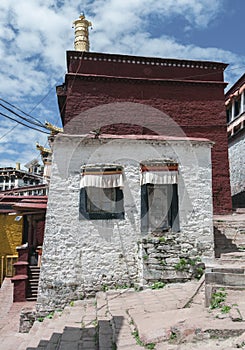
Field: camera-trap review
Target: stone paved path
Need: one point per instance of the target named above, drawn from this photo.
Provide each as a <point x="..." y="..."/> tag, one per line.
<point x="9" y="317"/>
<point x="170" y="318"/>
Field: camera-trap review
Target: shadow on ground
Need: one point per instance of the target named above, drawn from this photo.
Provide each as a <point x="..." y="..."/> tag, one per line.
<point x="222" y="244"/>
<point x="95" y="336"/>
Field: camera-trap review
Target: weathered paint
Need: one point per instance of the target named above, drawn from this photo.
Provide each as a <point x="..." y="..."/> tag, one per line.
<point x="10" y="234"/>
<point x="10" y="238"/>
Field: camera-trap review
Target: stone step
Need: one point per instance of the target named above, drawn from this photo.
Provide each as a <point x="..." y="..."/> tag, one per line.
<point x="34" y="272"/>
<point x="110" y="326"/>
<point x="51" y="344"/>
<point x="32" y="298"/>
<point x="69" y="337"/>
<point x="229" y="269"/>
<point x="225" y="279"/>
<point x="32" y="294"/>
<point x="34" y="276"/>
<point x="32" y="289"/>
<point x="74" y="316"/>
<point x="33" y="283"/>
<point x="233" y="256"/>
<point x="234" y="262"/>
<point x="158" y="328"/>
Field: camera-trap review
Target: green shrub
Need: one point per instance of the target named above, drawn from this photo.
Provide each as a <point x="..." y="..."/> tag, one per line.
<point x="158" y="285"/>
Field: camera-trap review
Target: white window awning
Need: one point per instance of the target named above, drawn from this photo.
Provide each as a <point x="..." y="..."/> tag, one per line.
<point x="159" y="178"/>
<point x="160" y="172"/>
<point x="102" y="176"/>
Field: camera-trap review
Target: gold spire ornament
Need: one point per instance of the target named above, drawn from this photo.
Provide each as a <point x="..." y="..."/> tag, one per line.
<point x="42" y="149"/>
<point x="46" y="154"/>
<point x="81" y="25"/>
<point x="54" y="129"/>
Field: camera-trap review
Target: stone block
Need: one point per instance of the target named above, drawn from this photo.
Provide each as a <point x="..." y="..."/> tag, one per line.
<point x="71" y="334"/>
<point x="225" y="279"/>
<point x="55" y="338"/>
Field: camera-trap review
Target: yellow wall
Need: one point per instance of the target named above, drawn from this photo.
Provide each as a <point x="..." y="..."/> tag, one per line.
<point x="10" y="234"/>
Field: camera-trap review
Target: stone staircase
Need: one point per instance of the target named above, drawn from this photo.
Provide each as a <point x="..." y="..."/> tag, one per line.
<point x="229" y="234"/>
<point x="228" y="271"/>
<point x="33" y="280"/>
<point x="104" y="322"/>
<point x="130" y="320"/>
<point x="85" y="324"/>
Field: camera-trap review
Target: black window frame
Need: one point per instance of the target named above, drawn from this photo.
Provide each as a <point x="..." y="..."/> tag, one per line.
<point x="173" y="209"/>
<point x="101" y="215"/>
<point x="237" y="107"/>
<point x="228" y="115"/>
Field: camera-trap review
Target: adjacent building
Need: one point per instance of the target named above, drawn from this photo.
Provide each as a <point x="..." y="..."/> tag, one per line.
<point x="22" y="222"/>
<point x="12" y="178"/>
<point x="235" y="108"/>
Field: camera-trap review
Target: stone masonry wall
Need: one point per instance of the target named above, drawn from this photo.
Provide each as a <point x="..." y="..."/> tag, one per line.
<point x="81" y="257"/>
<point x="171" y="258"/>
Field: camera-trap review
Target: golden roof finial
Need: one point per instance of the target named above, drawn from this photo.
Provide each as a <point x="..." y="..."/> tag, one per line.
<point x="81" y="42"/>
<point x="42" y="149"/>
<point x="54" y="129"/>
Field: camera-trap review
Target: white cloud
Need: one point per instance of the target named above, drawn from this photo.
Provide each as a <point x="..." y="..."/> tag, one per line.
<point x="128" y="15"/>
<point x="19" y="145"/>
<point x="34" y="35"/>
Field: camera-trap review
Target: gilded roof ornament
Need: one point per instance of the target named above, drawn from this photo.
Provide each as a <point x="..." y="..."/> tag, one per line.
<point x="81" y="25"/>
<point x="43" y="149"/>
<point x="54" y="129"/>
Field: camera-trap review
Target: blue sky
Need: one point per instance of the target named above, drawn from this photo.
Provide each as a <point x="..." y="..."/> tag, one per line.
<point x="35" y="34"/>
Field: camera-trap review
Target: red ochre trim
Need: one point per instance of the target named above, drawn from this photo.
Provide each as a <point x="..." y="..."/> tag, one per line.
<point x="20" y="263"/>
<point x="19" y="278"/>
<point x="30" y="206"/>
<point x="159" y="168"/>
<point x="101" y="173"/>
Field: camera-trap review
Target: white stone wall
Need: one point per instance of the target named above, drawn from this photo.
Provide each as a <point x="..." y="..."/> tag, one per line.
<point x="237" y="164"/>
<point x="83" y="256"/>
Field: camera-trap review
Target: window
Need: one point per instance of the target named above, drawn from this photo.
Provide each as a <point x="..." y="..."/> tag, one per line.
<point x="159" y="208"/>
<point x="228" y="114"/>
<point x="101" y="203"/>
<point x="101" y="194"/>
<point x="237" y="107"/>
<point x="159" y="197"/>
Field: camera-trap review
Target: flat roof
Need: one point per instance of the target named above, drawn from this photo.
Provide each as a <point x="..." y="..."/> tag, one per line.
<point x="235" y="86"/>
<point x="137" y="137"/>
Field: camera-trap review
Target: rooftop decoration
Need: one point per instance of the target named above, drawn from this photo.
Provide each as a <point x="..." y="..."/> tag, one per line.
<point x="54" y="129"/>
<point x="81" y="25"/>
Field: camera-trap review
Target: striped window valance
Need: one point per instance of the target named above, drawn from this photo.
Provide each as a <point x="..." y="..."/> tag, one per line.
<point x="163" y="172"/>
<point x="103" y="176"/>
